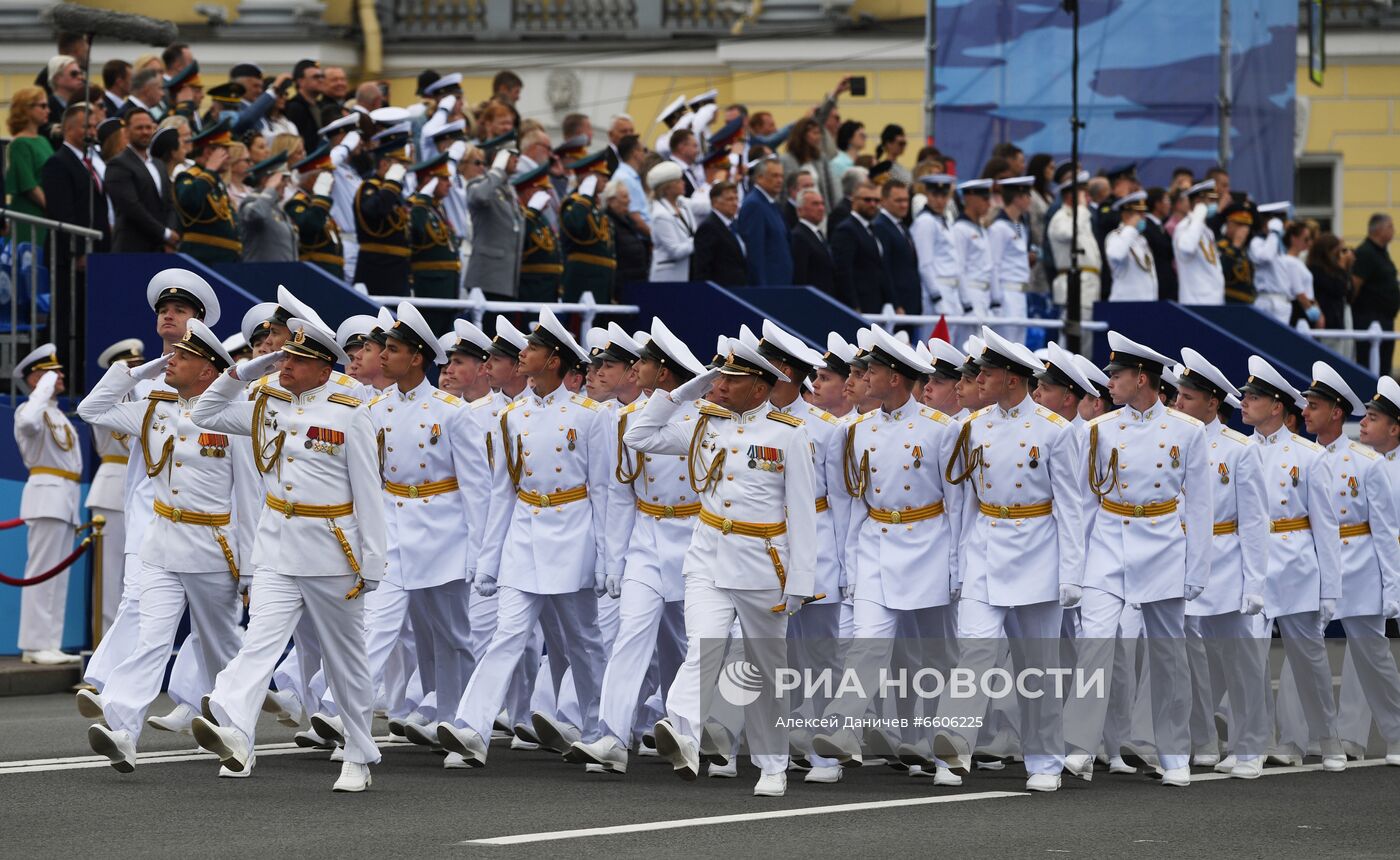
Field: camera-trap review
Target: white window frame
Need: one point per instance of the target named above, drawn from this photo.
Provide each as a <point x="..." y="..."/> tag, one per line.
<point x="1334" y="212"/>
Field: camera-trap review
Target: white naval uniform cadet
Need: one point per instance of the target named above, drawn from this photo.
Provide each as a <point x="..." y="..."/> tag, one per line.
<point x="1008" y="245"/>
<point x="108" y="490"/>
<point x="754" y="550"/>
<point x="49" y="448"/>
<point x="1129" y="257"/>
<point x="1199" y="276"/>
<point x="1060" y="232"/>
<point x="1146" y="461"/>
<point x="193" y="550"/>
<point x="939" y="263"/>
<point x="347" y="185"/>
<point x="1022" y="547"/>
<point x="1273" y="285"/>
<point x="544" y="541"/>
<point x="975" y="274"/>
<point x="319" y="544"/>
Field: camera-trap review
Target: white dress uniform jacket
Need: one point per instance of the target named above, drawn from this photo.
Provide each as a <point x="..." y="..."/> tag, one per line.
<point x="1241" y="526"/>
<point x="1148" y="461"/>
<point x="1199" y="277"/>
<point x="834" y="505"/>
<point x="761" y="466"/>
<point x="939" y="264"/>
<point x="975" y="276"/>
<point x="1361" y="493"/>
<point x="48" y="442"/>
<point x="479" y="470"/>
<point x="426" y="439"/>
<point x="1130" y="260"/>
<point x="108" y="487"/>
<point x="1024" y="458"/>
<point x="1304" y="565"/>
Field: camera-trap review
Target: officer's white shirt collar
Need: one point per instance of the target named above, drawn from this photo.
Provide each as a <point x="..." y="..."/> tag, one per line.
<point x="1213" y="428"/>
<point x="314" y="395"/>
<point x="557" y="395"/>
<point x="1025" y="407"/>
<point x="418" y="392"/>
<point x="750" y="416"/>
<point x="1278" y="435"/>
<point x="1341" y="441"/>
<point x="1156" y="410"/>
<point x="909" y="408"/>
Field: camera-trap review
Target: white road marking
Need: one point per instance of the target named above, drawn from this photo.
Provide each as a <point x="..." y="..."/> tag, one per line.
<point x="730" y="819"/>
<point x="84" y="762"/>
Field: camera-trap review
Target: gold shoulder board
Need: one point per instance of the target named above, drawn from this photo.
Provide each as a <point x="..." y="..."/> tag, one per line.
<point x="346" y="400"/>
<point x="784" y="418"/>
<point x="166" y="396"/>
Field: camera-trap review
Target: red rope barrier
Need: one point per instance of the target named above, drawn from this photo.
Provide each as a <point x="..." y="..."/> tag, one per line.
<point x="11" y="524"/>
<point x="50" y="574"/>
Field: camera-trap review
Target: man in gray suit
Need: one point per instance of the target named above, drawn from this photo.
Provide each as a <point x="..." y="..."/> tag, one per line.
<point x="498" y="230"/>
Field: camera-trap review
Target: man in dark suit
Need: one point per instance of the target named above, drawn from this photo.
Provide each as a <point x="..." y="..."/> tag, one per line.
<point x="811" y="255"/>
<point x="860" y="267"/>
<point x="719" y="252"/>
<point x="1163" y="258"/>
<point x="304" y="109"/>
<point x="140" y="192"/>
<point x="761" y="226"/>
<point x="793" y="186"/>
<point x="901" y="263"/>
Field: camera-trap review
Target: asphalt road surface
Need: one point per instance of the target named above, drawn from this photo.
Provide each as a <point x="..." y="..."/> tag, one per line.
<point x="61" y="801"/>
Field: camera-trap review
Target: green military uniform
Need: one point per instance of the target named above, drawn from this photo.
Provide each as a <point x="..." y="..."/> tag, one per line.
<point x="1239" y="273"/>
<point x="318" y="236"/>
<point x="207" y="229"/>
<point x="381" y="223"/>
<point x="437" y="269"/>
<point x="541" y="263"/>
<point x="590" y="258"/>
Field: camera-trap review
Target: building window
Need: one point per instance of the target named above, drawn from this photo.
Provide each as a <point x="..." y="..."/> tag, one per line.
<point x="1317" y="190"/>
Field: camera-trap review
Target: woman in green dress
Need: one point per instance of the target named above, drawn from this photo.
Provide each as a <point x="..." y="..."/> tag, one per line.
<point x="25" y="157"/>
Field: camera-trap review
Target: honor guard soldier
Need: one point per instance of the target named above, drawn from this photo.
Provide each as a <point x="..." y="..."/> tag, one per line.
<point x="544" y="541"/>
<point x="1365" y="500"/>
<point x="1303" y="580"/>
<point x="1234" y="593"/>
<point x="381" y="217"/>
<point x="318" y="233"/>
<point x="1134" y="274"/>
<point x="468" y="349"/>
<point x="192" y="554"/>
<point x="344" y="137"/>
<point x="207" y="229"/>
<point x="319" y="542"/>
<point x="541" y="263"/>
<point x="970" y="242"/>
<point x="1200" y="278"/>
<point x="49" y="448"/>
<point x="1146" y="462"/>
<point x="1009" y="246"/>
<point x="106" y="495"/>
<point x="646" y="553"/>
<point x="939" y="264"/>
<point x="1022" y="542"/>
<point x="590" y="260"/>
<point x="436" y="266"/>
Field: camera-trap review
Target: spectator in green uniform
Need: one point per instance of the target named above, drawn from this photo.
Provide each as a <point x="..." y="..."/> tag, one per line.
<point x="590" y="260"/>
<point x="318" y="236"/>
<point x="207" y="229"/>
<point x="435" y="265"/>
<point x="540" y="262"/>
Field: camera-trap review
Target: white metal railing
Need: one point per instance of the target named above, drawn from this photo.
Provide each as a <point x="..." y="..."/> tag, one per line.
<point x="888" y="316"/>
<point x="477" y="305"/>
<point x="1374" y="335"/>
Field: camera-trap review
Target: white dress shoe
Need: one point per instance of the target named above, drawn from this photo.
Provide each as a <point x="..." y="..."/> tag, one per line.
<point x="1393" y="759"/>
<point x="50" y="657"/>
<point x="353" y="777"/>
<point x="1139" y="754"/>
<point x="1204" y="760"/>
<point x="1080" y="765"/>
<point x="606" y="752"/>
<point x="1117" y="765"/>
<point x="728" y="770"/>
<point x="89" y="704"/>
<point x="1334" y="763"/>
<point x="646" y="748"/>
<point x="842" y="745"/>
<point x="590" y="767"/>
<point x="527" y="734"/>
<point x="916" y="755"/>
<point x="118" y="746"/>
<point x="454" y="761"/>
<point x="519" y="743"/>
<point x="1043" y="782"/>
<point x="555" y="735"/>
<point x="247" y="771"/>
<point x="465" y="742"/>
<point x="771" y="785"/>
<point x="1248" y="769"/>
<point x="501" y="723"/>
<point x="228" y="744"/>
<point x="989" y="764"/>
<point x="1228" y="763"/>
<point x="1354" y="751"/>
<point x="831" y="773"/>
<point x="954" y="751"/>
<point x="329" y="727"/>
<point x="283" y="705"/>
<point x="422" y="734"/>
<point x="944" y="776"/>
<point x="879" y="743"/>
<point x="716" y="743"/>
<point x="177" y="720"/>
<point x="1177" y="776"/>
<point x="680" y="750"/>
<point x="338" y="754"/>
<point x="309" y="739"/>
<point x="396" y="725"/>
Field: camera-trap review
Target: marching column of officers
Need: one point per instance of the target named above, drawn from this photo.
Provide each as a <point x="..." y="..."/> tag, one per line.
<point x="875" y="506"/>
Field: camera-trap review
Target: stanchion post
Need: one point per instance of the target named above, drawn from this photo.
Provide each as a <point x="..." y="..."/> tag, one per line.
<point x="98" y="521"/>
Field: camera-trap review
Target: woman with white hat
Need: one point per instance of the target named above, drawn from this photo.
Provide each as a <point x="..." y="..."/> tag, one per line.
<point x="672" y="224"/>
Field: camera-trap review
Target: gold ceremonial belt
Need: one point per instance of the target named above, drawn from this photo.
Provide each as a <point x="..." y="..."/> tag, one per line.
<point x="436" y="266"/>
<point x="120" y="459"/>
<point x="193" y="518"/>
<point x="1295" y="524"/>
<point x="1229" y="528"/>
<point x="49" y="470"/>
<point x="909" y="515"/>
<point x="388" y="250"/>
<point x="1155" y="509"/>
<point x="823" y="504"/>
<point x="1351" y="530"/>
<point x="322" y="257"/>
<point x="606" y="262"/>
<point x="767" y="531"/>
<point x="689" y="509"/>
<point x="297" y="509"/>
<point x="421" y="491"/>
<point x="546" y="500"/>
<point x="212" y="241"/>
<point x="1017" y="512"/>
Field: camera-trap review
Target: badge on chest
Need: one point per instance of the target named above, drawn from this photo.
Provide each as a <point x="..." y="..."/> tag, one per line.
<point x="765" y="459"/>
<point x="325" y="440"/>
<point x="213" y="445"/>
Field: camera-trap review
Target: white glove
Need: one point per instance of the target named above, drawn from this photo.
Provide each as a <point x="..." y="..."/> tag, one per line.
<point x="614" y="585"/>
<point x="1070" y="595"/>
<point x="457" y="150"/>
<point x="1253" y="604"/>
<point x="485" y="585"/>
<point x="848" y="590"/>
<point x="1194" y="591"/>
<point x="417" y="110"/>
<point x="1326" y="611"/>
<point x="501" y="160"/>
<point x="954" y="592"/>
<point x="1391" y="609"/>
<point x="600" y="584"/>
<point x="1199" y="211"/>
<point x="1275" y="225"/>
<point x="429" y="187"/>
<point x="794" y="604"/>
<point x="256" y="367"/>
<point x="324" y="183"/>
<point x="703" y="117"/>
<point x="151" y="369"/>
<point x="395" y="173"/>
<point x="447" y="103"/>
<point x="351" y="140"/>
<point x="695" y="388"/>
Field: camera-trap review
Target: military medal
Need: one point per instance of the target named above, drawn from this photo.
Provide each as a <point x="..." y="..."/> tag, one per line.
<point x="572" y="435"/>
<point x="1035" y="457"/>
<point x="1351" y="482"/>
<point x="1176" y="457"/>
<point x="1293" y="473"/>
<point x="437" y="431"/>
<point x="918" y="456"/>
<point x="1224" y="471"/>
<point x="765" y="459"/>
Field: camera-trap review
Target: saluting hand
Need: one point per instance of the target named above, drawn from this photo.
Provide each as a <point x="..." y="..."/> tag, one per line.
<point x="151" y="369"/>
<point x="254" y="368"/>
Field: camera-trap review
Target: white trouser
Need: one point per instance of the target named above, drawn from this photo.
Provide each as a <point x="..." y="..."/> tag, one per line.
<point x="518" y="613"/>
<point x="387" y="630"/>
<point x="1238" y="666"/>
<point x="1164" y="628"/>
<point x="648" y="627"/>
<point x="710" y="611"/>
<point x="279" y="603"/>
<point x="1125" y="686"/>
<point x="979" y="296"/>
<point x="1370" y="683"/>
<point x="439" y="620"/>
<point x="1277" y="306"/>
<point x="1204" y="738"/>
<point x="947" y="303"/>
<point x="1033" y="632"/>
<point x="212" y="597"/>
<point x="350" y="250"/>
<point x="814" y="645"/>
<point x="120" y="637"/>
<point x="113" y="563"/>
<point x="566" y="704"/>
<point x="1013" y="304"/>
<point x="41" y="606"/>
<point x="481" y="615"/>
<point x="1310" y="690"/>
